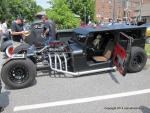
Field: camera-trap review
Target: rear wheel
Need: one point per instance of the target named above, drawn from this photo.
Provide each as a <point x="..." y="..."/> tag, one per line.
<point x="18" y="73"/>
<point x="137" y="60"/>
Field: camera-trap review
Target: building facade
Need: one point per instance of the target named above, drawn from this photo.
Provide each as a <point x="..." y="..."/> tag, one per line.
<point x="122" y="10"/>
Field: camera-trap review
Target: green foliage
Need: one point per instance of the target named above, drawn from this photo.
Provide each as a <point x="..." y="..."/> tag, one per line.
<point x="3" y="9"/>
<point x="147" y="49"/>
<point x="84" y="8"/>
<point x="62" y="15"/>
<point x="9" y="9"/>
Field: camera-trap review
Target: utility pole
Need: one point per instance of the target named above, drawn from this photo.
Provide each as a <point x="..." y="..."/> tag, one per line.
<point x="85" y="14"/>
<point x="140" y="10"/>
<point x="113" y="13"/>
<point x="126" y="10"/>
<point x="110" y="4"/>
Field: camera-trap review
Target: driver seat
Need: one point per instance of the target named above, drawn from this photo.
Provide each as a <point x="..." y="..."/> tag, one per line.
<point x="107" y="53"/>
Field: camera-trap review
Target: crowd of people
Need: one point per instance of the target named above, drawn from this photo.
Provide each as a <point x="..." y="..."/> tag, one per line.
<point x="18" y="32"/>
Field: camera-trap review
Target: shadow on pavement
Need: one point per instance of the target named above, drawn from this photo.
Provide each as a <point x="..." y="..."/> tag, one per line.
<point x="112" y="75"/>
<point x="62" y="75"/>
<point x="31" y="85"/>
<point x="144" y="109"/>
<point x="4" y="100"/>
<point x="146" y="67"/>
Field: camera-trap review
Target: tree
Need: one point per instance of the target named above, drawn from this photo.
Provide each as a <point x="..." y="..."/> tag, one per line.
<point x="62" y="15"/>
<point x="4" y="11"/>
<point x="10" y="9"/>
<point x="84" y="8"/>
<point x="25" y="8"/>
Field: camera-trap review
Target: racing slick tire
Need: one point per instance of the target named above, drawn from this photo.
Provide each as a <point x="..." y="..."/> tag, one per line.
<point x="21" y="48"/>
<point x="19" y="73"/>
<point x="137" y="60"/>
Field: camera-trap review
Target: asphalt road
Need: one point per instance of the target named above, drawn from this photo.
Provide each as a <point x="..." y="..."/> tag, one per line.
<point x="96" y="93"/>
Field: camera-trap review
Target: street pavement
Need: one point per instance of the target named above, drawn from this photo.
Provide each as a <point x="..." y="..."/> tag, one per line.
<point x="106" y="92"/>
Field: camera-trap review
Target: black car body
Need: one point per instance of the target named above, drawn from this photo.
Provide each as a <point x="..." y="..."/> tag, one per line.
<point x="89" y="50"/>
<point x="115" y="48"/>
<point x="36" y="30"/>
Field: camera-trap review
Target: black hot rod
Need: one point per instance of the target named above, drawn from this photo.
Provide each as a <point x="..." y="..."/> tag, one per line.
<point x="89" y="50"/>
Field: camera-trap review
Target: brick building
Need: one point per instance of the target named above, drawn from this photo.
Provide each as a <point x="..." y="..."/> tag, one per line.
<point x="146" y="10"/>
<point x="135" y="9"/>
<point x="104" y="9"/>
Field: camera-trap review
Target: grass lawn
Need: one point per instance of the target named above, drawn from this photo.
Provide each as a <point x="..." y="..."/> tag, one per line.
<point x="147" y="48"/>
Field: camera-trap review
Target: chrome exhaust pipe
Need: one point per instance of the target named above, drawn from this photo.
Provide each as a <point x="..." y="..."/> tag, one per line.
<point x="79" y="73"/>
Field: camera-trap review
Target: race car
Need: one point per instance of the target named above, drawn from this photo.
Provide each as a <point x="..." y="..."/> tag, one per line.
<point x="90" y="50"/>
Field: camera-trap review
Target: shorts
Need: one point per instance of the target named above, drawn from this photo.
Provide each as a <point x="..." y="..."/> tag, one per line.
<point x="47" y="40"/>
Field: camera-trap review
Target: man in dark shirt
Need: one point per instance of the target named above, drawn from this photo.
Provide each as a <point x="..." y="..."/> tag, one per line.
<point x="48" y="29"/>
<point x="17" y="30"/>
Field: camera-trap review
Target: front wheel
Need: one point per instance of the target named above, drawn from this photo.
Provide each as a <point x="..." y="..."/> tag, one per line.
<point x="18" y="73"/>
<point x="138" y="59"/>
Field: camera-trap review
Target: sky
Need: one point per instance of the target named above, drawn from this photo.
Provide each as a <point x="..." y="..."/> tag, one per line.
<point x="43" y="3"/>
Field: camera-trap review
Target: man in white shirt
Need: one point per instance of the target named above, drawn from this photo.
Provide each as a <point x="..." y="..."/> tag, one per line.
<point x="4" y="26"/>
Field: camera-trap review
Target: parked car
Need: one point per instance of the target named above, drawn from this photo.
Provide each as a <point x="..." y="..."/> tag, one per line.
<point x="89" y="50"/>
<point x="147" y="25"/>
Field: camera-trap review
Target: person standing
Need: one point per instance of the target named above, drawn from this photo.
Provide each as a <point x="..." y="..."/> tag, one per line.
<point x="4" y="26"/>
<point x="48" y="30"/>
<point x="17" y="32"/>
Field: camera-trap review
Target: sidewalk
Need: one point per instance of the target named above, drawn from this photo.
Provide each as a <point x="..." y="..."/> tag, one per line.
<point x="148" y="60"/>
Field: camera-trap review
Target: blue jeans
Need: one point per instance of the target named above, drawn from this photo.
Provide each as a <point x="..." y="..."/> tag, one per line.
<point x="47" y="40"/>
